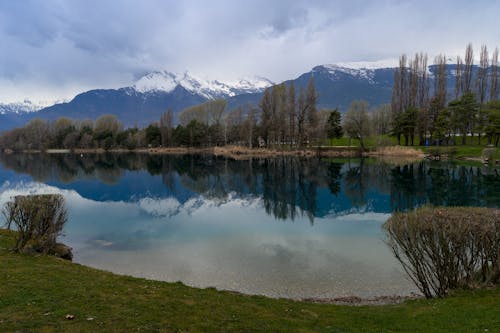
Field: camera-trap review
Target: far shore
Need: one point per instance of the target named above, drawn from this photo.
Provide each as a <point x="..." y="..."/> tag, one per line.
<point x="241" y="152"/>
<point x="398" y="154"/>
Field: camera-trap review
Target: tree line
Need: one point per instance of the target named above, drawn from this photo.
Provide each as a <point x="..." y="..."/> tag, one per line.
<point x="421" y="105"/>
<point x="284" y="118"/>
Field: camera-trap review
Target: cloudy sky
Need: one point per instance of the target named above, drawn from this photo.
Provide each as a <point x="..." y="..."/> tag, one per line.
<point x="57" y="48"/>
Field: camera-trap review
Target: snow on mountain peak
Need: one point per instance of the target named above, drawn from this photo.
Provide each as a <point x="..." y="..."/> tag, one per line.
<point x="386" y="63"/>
<point x="26" y="106"/>
<point x="162" y="81"/>
<point x="165" y="81"/>
<point x="361" y="69"/>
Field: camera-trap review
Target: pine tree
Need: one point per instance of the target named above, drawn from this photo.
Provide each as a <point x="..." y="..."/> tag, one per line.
<point x="333" y="125"/>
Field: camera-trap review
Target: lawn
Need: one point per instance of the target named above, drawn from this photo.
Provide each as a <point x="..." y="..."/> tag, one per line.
<point x="457" y="151"/>
<point x="37" y="292"/>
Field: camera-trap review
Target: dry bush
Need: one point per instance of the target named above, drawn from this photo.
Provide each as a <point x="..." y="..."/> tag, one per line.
<point x="447" y="248"/>
<point x="38" y="220"/>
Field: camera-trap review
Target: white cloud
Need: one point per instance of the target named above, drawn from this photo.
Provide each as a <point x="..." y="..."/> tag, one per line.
<point x="55" y="48"/>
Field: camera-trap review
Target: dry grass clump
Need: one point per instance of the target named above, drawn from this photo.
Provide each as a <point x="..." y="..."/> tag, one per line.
<point x="442" y="249"/>
<point x="398" y="151"/>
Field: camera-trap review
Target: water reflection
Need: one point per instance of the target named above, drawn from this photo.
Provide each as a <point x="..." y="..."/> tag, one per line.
<point x="288" y="186"/>
<point x="211" y="221"/>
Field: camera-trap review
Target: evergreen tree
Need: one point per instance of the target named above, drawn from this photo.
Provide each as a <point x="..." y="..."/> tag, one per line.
<point x="333" y="126"/>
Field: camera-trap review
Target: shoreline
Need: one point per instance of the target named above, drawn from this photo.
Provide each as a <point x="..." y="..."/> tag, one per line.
<point x="236" y="152"/>
<point x="395" y="154"/>
<point x="349" y="300"/>
<point x="242" y="152"/>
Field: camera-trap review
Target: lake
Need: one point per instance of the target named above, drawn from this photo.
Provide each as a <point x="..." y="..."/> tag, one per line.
<point x="282" y="227"/>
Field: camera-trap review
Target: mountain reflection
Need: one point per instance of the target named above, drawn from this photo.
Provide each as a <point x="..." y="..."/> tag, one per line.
<point x="287" y="186"/>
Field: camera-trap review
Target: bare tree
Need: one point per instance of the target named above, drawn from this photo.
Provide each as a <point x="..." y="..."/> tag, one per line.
<point x="481" y="87"/>
<point x="282" y="114"/>
<point x="494" y="76"/>
<point x="440" y="80"/>
<point x="357" y="121"/>
<point x="399" y="100"/>
<point x="413" y="81"/>
<point x="166" y="127"/>
<point x="458" y="77"/>
<point x="265" y="117"/>
<point x="482" y="75"/>
<point x="395" y="105"/>
<point x="312" y="111"/>
<point x="301" y="116"/>
<point x="423" y="99"/>
<point x="380" y="119"/>
<point x="250" y="126"/>
<point x="468" y="69"/>
<point x="291" y="114"/>
<point x="423" y="88"/>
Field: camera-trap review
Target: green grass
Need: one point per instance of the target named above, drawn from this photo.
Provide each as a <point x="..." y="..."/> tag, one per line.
<point x="470" y="150"/>
<point x="460" y="152"/>
<point x="36" y="292"/>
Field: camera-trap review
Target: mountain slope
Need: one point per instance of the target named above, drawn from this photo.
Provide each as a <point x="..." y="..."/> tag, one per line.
<point x="132" y="107"/>
<point x="338" y="85"/>
<point x="143" y="102"/>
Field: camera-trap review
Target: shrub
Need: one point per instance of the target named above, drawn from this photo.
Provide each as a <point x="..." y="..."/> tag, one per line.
<point x="38" y="219"/>
<point x="447" y="248"/>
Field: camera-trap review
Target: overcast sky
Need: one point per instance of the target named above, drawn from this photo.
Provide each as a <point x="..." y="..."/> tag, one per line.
<point x="57" y="48"/>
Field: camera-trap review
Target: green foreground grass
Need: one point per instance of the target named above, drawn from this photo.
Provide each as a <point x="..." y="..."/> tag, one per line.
<point x="36" y="292"/>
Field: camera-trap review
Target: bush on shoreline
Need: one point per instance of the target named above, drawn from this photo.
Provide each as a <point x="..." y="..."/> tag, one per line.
<point x="442" y="249"/>
<point x="39" y="220"/>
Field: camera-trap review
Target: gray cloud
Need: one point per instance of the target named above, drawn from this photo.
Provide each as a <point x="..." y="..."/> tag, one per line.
<point x="56" y="48"/>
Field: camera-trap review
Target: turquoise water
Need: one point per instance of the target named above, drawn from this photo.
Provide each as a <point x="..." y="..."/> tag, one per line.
<point x="283" y="227"/>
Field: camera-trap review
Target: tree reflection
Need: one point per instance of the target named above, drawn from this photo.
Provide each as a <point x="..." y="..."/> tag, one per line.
<point x="288" y="187"/>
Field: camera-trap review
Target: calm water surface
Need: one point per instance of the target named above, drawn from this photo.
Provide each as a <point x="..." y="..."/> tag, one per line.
<point x="283" y="227"/>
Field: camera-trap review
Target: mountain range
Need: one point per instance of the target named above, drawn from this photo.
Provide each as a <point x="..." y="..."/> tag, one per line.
<point x="147" y="98"/>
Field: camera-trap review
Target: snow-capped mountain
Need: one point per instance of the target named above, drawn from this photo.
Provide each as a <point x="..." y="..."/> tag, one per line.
<point x="151" y="95"/>
<point x="164" y="81"/>
<point x="26" y="106"/>
<point x="360" y="70"/>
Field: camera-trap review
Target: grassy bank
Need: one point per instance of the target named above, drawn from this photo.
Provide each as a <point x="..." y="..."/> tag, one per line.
<point x="36" y="293"/>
